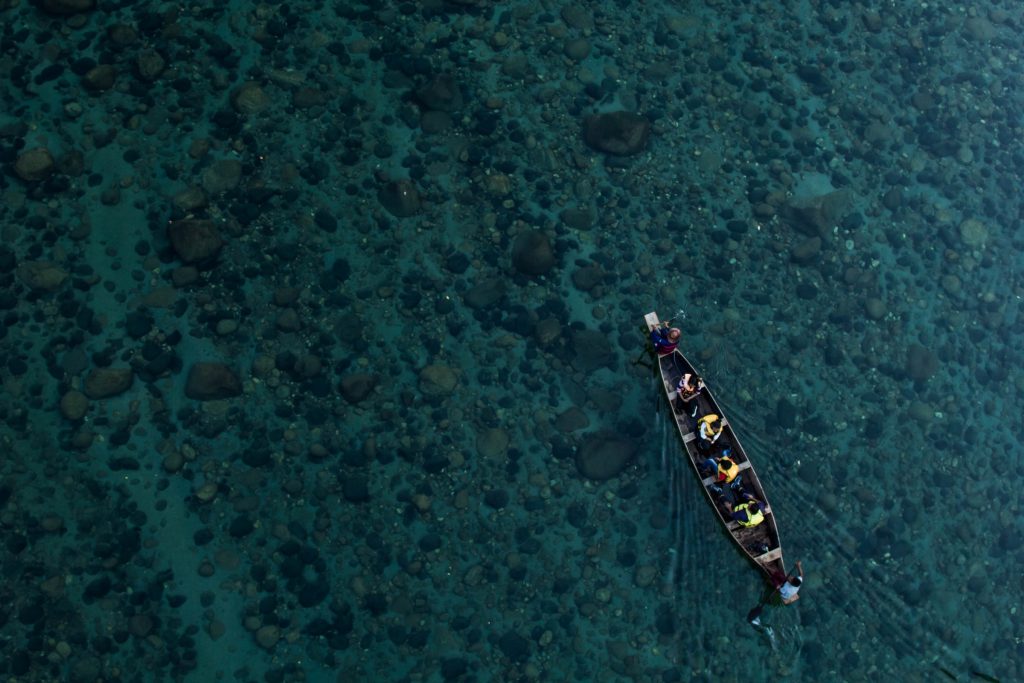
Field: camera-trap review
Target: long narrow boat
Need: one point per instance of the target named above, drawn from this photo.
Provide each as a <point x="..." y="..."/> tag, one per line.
<point x="760" y="543"/>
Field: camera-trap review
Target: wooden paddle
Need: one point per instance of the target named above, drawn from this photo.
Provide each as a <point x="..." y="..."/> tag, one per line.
<point x="755" y="614"/>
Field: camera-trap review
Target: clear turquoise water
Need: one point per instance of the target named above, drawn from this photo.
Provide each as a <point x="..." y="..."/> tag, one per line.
<point x="827" y="205"/>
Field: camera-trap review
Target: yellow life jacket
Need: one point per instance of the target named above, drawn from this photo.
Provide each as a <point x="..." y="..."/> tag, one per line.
<point x="713" y="422"/>
<point x="754" y="517"/>
<point x="727" y="475"/>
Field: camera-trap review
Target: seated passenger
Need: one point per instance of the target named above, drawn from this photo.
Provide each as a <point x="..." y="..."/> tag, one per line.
<point x="724" y="469"/>
<point x="710" y="427"/>
<point x="687" y="390"/>
<point x="749" y="512"/>
<point x="665" y="339"/>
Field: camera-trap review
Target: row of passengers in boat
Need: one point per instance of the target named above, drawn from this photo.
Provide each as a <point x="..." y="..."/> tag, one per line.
<point x="743" y="507"/>
<point x="749" y="512"/>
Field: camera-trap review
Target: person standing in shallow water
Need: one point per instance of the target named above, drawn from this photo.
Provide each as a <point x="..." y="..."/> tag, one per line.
<point x="665" y="339"/>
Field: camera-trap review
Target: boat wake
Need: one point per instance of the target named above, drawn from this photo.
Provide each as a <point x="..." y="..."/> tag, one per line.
<point x="669" y="471"/>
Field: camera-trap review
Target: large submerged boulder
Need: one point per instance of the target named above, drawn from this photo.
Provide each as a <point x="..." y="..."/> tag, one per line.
<point x="604" y="455"/>
<point x="357" y="386"/>
<point x="441" y="93"/>
<point x="532" y="253"/>
<point x="591" y="349"/>
<point x="34" y="165"/>
<point x="438" y="380"/>
<point x="400" y="198"/>
<point x="922" y="363"/>
<point x="212" y="382"/>
<point x="618" y="132"/>
<point x="107" y="382"/>
<point x="816" y="216"/>
<point x="41" y="275"/>
<point x="194" y="240"/>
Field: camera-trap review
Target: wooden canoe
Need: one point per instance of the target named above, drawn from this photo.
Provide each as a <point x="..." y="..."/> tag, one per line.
<point x="760" y="543"/>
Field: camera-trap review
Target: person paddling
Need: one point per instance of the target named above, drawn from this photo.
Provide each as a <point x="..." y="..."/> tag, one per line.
<point x="754" y="615"/>
<point x="789" y="590"/>
<point x="665" y="339"/>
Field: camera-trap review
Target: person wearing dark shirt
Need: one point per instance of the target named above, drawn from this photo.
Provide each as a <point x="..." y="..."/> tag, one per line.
<point x="665" y="339"/>
<point x="748" y="512"/>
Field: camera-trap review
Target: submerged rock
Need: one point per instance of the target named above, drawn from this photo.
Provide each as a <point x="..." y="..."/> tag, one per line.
<point x="619" y="132"/>
<point x="577" y="17"/>
<point x="571" y="420"/>
<point x="806" y="252"/>
<point x="107" y="382"/>
<point x="74" y="405"/>
<point x="222" y="176"/>
<point x="267" y="636"/>
<point x="149" y="65"/>
<point x="211" y="382"/>
<point x="588" y="277"/>
<point x="576" y="49"/>
<point x="249" y="99"/>
<point x="875" y="308"/>
<point x="438" y="380"/>
<point x="547" y="331"/>
<point x="973" y="232"/>
<point x="101" y="77"/>
<point x="532" y="253"/>
<point x="442" y="93"/>
<point x="578" y="218"/>
<point x="34" y="165"/>
<point x="591" y="350"/>
<point x="921" y="411"/>
<point x="41" y="275"/>
<point x="485" y="294"/>
<point x="194" y="240"/>
<point x="604" y="455"/>
<point x="817" y="216"/>
<point x="514" y="646"/>
<point x="492" y="443"/>
<point x="400" y="198"/>
<point x="357" y="386"/>
<point x="922" y="363"/>
<point x="644" y="575"/>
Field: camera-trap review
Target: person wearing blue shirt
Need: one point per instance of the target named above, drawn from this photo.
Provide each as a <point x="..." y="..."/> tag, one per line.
<point x="665" y="339"/>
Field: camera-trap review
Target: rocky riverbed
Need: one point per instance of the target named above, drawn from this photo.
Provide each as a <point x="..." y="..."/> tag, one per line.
<point x="319" y="328"/>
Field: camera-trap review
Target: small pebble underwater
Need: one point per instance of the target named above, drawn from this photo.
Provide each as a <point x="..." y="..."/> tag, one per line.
<point x="323" y="355"/>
